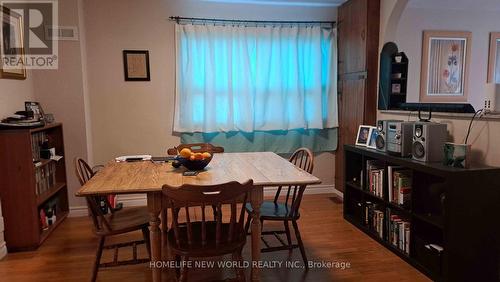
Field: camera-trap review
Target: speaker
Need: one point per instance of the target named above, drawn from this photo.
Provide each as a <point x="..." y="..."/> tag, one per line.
<point x="428" y="141"/>
<point x="382" y="126"/>
<point x="399" y="138"/>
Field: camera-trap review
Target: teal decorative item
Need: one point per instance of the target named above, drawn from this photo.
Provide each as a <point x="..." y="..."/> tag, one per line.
<point x="455" y="155"/>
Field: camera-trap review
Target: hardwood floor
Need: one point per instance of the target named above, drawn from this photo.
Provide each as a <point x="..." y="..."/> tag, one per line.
<point x="69" y="253"/>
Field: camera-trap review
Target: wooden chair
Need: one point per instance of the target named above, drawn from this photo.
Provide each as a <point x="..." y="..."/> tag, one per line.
<point x="196" y="148"/>
<point x="117" y="222"/>
<point x="207" y="238"/>
<point x="287" y="211"/>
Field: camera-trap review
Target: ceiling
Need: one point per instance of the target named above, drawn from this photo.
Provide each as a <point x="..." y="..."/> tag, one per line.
<point x="295" y="3"/>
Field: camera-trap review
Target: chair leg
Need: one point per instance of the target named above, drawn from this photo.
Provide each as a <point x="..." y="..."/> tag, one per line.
<point x="287" y="232"/>
<point x="177" y="258"/>
<point x="145" y="234"/>
<point x="184" y="270"/>
<point x="240" y="272"/>
<point x="97" y="258"/>
<point x="247" y="224"/>
<point x="301" y="245"/>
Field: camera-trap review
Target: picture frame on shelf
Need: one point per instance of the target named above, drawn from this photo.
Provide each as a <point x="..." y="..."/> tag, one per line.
<point x="36" y="108"/>
<point x="12" y="45"/>
<point x="136" y="65"/>
<point x="363" y="136"/>
<point x="445" y="64"/>
<point x="372" y="139"/>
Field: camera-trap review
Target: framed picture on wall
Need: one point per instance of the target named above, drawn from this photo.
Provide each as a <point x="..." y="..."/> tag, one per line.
<point x="494" y="58"/>
<point x="445" y="62"/>
<point x="136" y="65"/>
<point x="12" y="45"/>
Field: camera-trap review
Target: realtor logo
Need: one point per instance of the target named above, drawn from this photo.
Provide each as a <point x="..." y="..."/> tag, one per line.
<point x="25" y="43"/>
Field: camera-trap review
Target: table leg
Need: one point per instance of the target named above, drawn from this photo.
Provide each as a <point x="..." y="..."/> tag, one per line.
<point x="256" y="198"/>
<point x="154" y="207"/>
<point x="165" y="251"/>
<point x="164" y="230"/>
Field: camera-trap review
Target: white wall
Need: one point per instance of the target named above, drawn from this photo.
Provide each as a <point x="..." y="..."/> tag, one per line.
<point x="61" y="92"/>
<point x="408" y="22"/>
<point x="13" y="94"/>
<point x="480" y="19"/>
<point x="137" y="117"/>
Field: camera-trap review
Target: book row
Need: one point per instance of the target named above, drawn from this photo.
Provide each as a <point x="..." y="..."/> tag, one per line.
<point x="399" y="232"/>
<point x="399" y="182"/>
<point x="45" y="178"/>
<point x="389" y="226"/>
<point x="37" y="139"/>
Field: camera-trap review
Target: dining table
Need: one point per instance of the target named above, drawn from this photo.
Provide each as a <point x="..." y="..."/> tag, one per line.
<point x="264" y="168"/>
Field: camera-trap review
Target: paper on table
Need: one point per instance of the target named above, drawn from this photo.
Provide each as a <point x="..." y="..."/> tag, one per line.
<point x="124" y="158"/>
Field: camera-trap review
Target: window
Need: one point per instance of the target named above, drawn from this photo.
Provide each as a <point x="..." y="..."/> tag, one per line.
<point x="263" y="78"/>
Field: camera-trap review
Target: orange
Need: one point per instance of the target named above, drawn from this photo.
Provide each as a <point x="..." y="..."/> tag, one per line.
<point x="185" y="153"/>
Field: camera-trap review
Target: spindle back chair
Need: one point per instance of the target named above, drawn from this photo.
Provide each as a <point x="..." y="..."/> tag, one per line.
<point x="286" y="211"/>
<point x="207" y="237"/>
<point x="115" y="223"/>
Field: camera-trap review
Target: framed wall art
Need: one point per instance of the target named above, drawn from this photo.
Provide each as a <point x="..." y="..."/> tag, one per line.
<point x="494" y="58"/>
<point x="445" y="62"/>
<point x="12" y="45"/>
<point x="136" y="65"/>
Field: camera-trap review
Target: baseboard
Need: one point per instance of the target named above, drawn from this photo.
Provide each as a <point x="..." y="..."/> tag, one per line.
<point x="78" y="211"/>
<point x="136" y="200"/>
<point x="337" y="192"/>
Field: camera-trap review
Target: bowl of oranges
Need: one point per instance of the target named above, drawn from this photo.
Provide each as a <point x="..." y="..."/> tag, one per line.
<point x="193" y="161"/>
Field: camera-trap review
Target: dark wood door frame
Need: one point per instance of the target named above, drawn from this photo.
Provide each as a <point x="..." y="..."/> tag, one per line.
<point x="358" y="41"/>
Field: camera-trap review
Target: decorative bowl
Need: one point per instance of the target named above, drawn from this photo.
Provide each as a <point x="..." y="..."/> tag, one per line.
<point x="195" y="164"/>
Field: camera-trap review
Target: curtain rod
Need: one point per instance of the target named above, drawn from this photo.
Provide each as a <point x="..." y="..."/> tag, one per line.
<point x="178" y="19"/>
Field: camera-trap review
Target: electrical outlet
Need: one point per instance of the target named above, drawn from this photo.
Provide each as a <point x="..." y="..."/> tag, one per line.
<point x="487" y="105"/>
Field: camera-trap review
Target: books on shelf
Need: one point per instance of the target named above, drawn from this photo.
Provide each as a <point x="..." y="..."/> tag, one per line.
<point x="400" y="181"/>
<point x="375" y="177"/>
<point x="37" y="139"/>
<point x="375" y="218"/>
<point x="399" y="232"/>
<point x="45" y="178"/>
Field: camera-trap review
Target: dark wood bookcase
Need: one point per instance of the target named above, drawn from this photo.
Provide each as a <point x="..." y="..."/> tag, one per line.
<point x="22" y="199"/>
<point x="451" y="207"/>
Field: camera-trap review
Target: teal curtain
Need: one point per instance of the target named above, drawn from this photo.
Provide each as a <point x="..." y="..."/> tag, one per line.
<point x="281" y="142"/>
<point x="255" y="78"/>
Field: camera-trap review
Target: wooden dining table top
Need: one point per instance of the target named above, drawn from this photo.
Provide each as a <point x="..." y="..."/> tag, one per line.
<point x="264" y="168"/>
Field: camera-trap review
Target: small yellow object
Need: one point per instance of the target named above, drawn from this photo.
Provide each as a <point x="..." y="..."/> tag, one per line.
<point x="207" y="155"/>
<point x="192" y="157"/>
<point x="198" y="156"/>
<point x="185" y="153"/>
